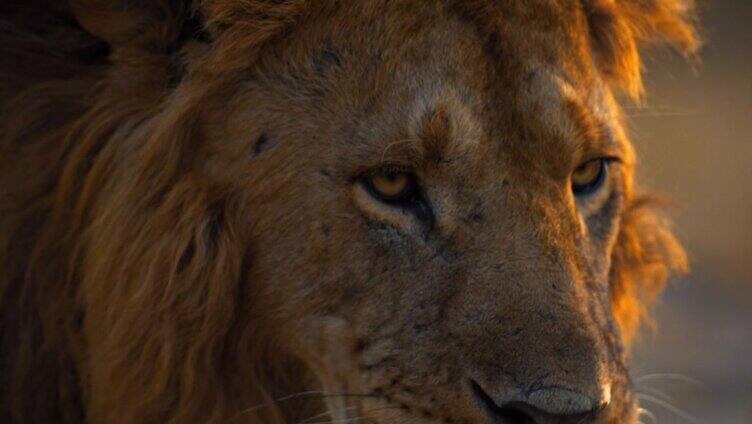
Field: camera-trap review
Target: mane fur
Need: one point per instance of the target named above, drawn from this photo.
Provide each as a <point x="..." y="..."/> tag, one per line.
<point x="123" y="262"/>
<point x="618" y="27"/>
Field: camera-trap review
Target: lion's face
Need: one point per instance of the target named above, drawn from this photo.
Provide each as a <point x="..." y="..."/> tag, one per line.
<point x="434" y="211"/>
<point x="290" y="211"/>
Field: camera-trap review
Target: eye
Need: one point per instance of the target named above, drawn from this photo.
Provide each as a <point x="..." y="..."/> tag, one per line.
<point x="392" y="186"/>
<point x="589" y="177"/>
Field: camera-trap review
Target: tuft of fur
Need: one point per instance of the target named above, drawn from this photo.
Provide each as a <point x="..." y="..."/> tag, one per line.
<point x="618" y="27"/>
<point x="645" y="254"/>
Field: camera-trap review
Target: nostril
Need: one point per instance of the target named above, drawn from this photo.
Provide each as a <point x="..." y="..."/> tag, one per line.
<point x="509" y="414"/>
<point x="512" y="414"/>
<point x="538" y="407"/>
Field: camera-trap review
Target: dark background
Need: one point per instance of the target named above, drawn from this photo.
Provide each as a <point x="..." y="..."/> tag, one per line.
<point x="694" y="139"/>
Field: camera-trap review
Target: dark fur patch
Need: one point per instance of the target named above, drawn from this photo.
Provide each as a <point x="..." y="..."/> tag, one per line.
<point x="328" y="58"/>
<point x="262" y="143"/>
<point x="191" y="30"/>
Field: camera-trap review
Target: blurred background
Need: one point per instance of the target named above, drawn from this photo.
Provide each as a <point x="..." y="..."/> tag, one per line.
<point x="694" y="140"/>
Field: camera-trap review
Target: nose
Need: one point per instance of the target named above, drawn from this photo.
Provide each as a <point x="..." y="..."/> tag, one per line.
<point x="543" y="406"/>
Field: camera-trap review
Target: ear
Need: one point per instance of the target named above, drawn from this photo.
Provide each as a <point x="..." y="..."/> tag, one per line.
<point x="153" y="25"/>
<point x="242" y="27"/>
<point x="619" y="27"/>
<point x="645" y="254"/>
<point x="237" y="28"/>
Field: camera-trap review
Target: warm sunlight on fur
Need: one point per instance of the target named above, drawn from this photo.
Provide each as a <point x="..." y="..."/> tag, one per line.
<point x="195" y="225"/>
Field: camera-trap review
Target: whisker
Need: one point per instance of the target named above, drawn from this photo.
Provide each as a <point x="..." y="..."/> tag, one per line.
<point x="344" y="420"/>
<point x="311" y="393"/>
<point x="647" y="413"/>
<point x="355" y="419"/>
<point x="282" y="399"/>
<point x="668" y="376"/>
<point x="680" y="413"/>
<point x="660" y="114"/>
<point x="658" y="393"/>
<point x="396" y="143"/>
<point x="325" y="413"/>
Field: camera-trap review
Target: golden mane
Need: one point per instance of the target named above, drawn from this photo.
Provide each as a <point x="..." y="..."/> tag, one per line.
<point x="618" y="27"/>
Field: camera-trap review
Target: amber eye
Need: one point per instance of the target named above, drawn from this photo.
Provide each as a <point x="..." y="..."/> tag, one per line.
<point x="588" y="177"/>
<point x="392" y="186"/>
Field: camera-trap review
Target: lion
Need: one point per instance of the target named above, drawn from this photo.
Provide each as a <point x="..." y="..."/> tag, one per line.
<point x="292" y="211"/>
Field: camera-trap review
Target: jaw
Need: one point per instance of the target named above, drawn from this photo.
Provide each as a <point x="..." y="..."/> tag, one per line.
<point x="388" y="382"/>
<point x="345" y="399"/>
<point x="378" y="410"/>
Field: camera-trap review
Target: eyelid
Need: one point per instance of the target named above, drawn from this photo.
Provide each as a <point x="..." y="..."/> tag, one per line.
<point x="600" y="150"/>
<point x="608" y="159"/>
<point x="391" y="168"/>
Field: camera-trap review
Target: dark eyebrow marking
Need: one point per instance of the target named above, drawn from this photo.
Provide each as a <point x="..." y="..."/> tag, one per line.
<point x="261" y="144"/>
<point x="326" y="59"/>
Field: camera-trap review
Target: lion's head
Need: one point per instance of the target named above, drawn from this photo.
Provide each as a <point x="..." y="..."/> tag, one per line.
<point x="387" y="211"/>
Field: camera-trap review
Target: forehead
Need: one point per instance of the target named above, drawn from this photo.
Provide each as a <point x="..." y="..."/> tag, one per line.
<point x="512" y="79"/>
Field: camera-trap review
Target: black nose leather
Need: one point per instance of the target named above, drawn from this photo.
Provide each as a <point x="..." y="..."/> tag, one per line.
<point x="545" y="406"/>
